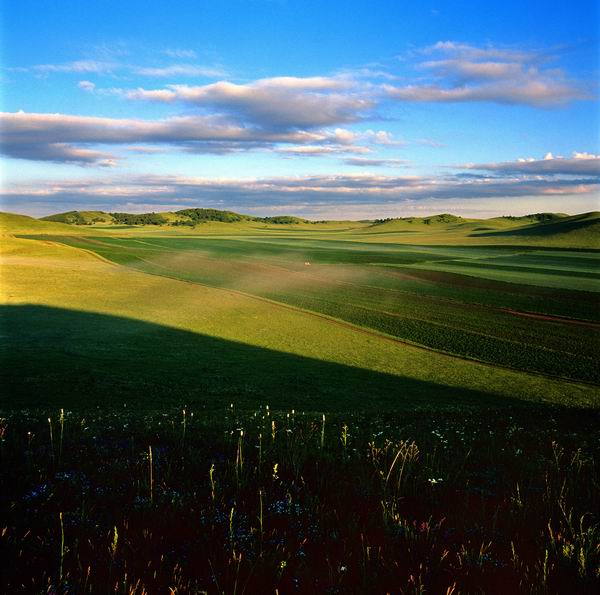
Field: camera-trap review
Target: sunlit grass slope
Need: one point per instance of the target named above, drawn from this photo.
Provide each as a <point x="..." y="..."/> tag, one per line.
<point x="541" y="229"/>
<point x="394" y="290"/>
<point x="161" y="339"/>
<point x="11" y="224"/>
<point x="578" y="231"/>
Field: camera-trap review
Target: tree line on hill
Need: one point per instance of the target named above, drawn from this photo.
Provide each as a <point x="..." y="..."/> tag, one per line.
<point x="188" y="217"/>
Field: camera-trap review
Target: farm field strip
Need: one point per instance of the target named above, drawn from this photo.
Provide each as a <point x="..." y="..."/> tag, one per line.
<point x="487" y="333"/>
<point x="540" y="277"/>
<point x="104" y="327"/>
<point x="571" y="269"/>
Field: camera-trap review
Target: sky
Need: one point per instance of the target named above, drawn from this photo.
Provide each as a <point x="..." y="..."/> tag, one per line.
<point x="325" y="110"/>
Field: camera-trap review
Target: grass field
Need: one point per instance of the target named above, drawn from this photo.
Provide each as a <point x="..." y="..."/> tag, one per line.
<point x="419" y="400"/>
<point x="410" y="292"/>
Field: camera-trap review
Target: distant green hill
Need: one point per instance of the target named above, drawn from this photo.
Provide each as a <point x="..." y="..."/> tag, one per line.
<point x="536" y="217"/>
<point x="284" y="220"/>
<point x="189" y="217"/>
<point x="192" y="216"/>
<point x="562" y="228"/>
<point x="195" y="216"/>
<point x="433" y="219"/>
<point x="80" y="217"/>
<point x="11" y="223"/>
<point x="556" y="229"/>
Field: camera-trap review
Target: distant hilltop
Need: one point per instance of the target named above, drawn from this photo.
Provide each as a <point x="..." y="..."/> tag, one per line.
<point x="546" y="229"/>
<point x="188" y="217"/>
<point x="448" y="218"/>
<point x="192" y="217"/>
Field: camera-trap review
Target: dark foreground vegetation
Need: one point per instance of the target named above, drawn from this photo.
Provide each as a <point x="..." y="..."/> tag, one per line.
<point x="198" y="501"/>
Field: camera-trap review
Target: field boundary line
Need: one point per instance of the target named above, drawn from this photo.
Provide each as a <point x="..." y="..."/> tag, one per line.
<point x="86" y="250"/>
<point x="364" y="330"/>
<point x="337" y="321"/>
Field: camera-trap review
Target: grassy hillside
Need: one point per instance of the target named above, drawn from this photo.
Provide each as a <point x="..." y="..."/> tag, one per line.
<point x="11" y="223"/>
<point x="576" y="229"/>
<point x="81" y="217"/>
<point x="540" y="229"/>
<point x="64" y="283"/>
<point x="188" y="217"/>
<point x="444" y="218"/>
<point x="535" y="217"/>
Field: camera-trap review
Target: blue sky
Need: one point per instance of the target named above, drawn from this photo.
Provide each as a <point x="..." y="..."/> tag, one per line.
<point x="320" y="109"/>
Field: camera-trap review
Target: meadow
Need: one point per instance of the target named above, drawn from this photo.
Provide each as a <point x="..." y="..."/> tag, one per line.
<point x="258" y="406"/>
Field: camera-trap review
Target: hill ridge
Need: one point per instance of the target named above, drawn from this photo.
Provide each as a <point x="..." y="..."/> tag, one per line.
<point x="194" y="216"/>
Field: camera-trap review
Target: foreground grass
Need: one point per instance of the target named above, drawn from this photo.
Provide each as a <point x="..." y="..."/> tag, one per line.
<point x="190" y="501"/>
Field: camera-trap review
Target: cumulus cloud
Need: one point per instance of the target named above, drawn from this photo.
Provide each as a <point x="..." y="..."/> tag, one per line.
<point x="295" y="194"/>
<point x="462" y="72"/>
<point x="580" y="164"/>
<point x="382" y="137"/>
<point x="61" y="153"/>
<point x="279" y="102"/>
<point x="61" y="138"/>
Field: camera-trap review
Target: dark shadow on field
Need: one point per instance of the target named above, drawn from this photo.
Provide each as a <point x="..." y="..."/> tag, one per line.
<point x="52" y="357"/>
<point x="545" y="228"/>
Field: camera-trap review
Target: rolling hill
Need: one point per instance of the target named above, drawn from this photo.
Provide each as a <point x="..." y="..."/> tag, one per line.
<point x="576" y="229"/>
<point x="11" y="223"/>
<point x="548" y="229"/>
<point x="188" y="217"/>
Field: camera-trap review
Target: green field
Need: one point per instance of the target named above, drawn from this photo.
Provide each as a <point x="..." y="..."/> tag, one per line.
<point x="397" y="324"/>
<point x="472" y="302"/>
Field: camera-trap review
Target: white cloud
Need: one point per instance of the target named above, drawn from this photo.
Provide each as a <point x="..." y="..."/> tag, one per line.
<point x="112" y="67"/>
<point x="77" y="66"/>
<point x="161" y="95"/>
<point x="580" y="164"/>
<point x="87" y="86"/>
<point x="363" y="191"/>
<point x="371" y="162"/>
<point x="466" y="73"/>
<point x="175" y="70"/>
<point x="382" y="137"/>
<point x="324" y="149"/>
<point x="66" y="138"/>
<point x="585" y="155"/>
<point x="486" y="52"/>
<point x="180" y="53"/>
<point x="280" y="102"/>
